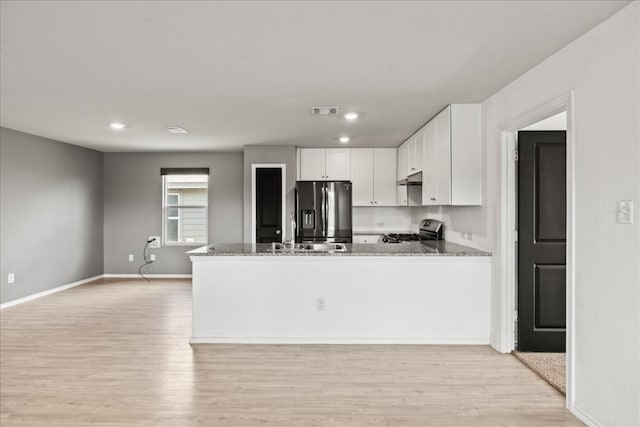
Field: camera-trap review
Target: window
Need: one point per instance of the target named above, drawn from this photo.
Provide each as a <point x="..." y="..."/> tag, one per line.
<point x="185" y="206"/>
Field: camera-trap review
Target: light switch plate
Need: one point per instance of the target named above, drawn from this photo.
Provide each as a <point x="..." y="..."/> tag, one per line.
<point x="625" y="212"/>
<point x="11" y="278"/>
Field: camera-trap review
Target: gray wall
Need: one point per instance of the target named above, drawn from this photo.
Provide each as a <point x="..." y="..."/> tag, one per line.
<point x="51" y="214"/>
<point x="256" y="154"/>
<point x="133" y="207"/>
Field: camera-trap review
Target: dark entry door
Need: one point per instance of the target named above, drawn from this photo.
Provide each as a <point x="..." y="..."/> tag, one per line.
<point x="542" y="241"/>
<point x="268" y="205"/>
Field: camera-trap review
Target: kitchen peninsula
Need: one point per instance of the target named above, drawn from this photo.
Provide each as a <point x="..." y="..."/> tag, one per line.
<point x="408" y="293"/>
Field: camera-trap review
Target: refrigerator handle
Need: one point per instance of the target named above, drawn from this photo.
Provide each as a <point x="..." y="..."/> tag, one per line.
<point x="324" y="210"/>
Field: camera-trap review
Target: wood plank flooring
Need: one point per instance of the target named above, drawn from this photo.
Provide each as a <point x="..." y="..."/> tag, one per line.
<point x="116" y="353"/>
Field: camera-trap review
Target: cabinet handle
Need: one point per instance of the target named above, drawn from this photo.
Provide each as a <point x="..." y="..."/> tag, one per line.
<point x="375" y="202"/>
<point x="433" y="198"/>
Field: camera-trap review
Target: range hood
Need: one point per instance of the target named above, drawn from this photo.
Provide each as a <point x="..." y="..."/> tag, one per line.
<point x="415" y="179"/>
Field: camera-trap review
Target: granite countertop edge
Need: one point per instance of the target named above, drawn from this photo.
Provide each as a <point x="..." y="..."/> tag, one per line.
<point x="410" y="249"/>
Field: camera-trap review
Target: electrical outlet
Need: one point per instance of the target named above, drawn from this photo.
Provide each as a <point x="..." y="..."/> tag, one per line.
<point x="130" y="257"/>
<point x="155" y="243"/>
<point x="469" y="236"/>
<point x="463" y="235"/>
<point x="152" y="257"/>
<point x="11" y="278"/>
<point x="321" y="304"/>
<point x="625" y="211"/>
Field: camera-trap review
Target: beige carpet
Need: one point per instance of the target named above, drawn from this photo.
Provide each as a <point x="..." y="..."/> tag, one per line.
<point x="550" y="366"/>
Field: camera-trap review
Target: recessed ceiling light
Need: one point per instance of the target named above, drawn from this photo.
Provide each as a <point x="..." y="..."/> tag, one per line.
<point x="344" y="139"/>
<point x="175" y="129"/>
<point x="117" y="125"/>
<point x="351" y="116"/>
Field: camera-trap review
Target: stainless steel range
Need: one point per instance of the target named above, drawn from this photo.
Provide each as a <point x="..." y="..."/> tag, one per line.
<point x="430" y="229"/>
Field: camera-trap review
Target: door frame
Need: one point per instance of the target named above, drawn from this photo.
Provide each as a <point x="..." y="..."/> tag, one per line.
<point x="283" y="172"/>
<point x="507" y="227"/>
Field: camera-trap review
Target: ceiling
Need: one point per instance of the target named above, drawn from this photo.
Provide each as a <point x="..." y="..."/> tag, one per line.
<point x="239" y="73"/>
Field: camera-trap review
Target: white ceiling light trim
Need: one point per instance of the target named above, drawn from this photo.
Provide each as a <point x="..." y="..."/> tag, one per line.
<point x="344" y="139"/>
<point x="117" y="125"/>
<point x="351" y="116"/>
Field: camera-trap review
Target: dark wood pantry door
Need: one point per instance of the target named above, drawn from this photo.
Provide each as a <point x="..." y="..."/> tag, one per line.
<point x="542" y="241"/>
<point x="268" y="205"/>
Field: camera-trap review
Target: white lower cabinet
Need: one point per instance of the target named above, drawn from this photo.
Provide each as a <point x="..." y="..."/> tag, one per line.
<point x="373" y="174"/>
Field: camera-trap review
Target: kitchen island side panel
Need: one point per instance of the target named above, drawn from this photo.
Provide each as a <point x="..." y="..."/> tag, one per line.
<point x="404" y="300"/>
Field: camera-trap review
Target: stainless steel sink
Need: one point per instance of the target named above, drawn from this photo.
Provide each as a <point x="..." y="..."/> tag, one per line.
<point x="323" y="247"/>
<point x="307" y="247"/>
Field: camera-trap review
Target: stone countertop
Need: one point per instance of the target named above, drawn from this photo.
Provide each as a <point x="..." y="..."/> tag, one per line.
<point x="379" y="232"/>
<point x="425" y="248"/>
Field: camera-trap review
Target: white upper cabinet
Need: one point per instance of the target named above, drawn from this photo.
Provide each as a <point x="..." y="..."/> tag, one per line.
<point x="373" y="173"/>
<point x="430" y="164"/>
<point x="410" y="155"/>
<point x="325" y="164"/>
<point x="403" y="161"/>
<point x="311" y="164"/>
<point x="415" y="152"/>
<point x="362" y="176"/>
<point x="451" y="158"/>
<point x="338" y="164"/>
<point x="384" y="178"/>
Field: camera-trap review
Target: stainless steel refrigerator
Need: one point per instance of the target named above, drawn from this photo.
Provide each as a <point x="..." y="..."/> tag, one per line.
<point x="323" y="211"/>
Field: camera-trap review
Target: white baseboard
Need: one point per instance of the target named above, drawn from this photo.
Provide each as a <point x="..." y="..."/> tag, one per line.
<point x="90" y="279"/>
<point x="150" y="276"/>
<point x="583" y="416"/>
<point x="49" y="292"/>
<point x="338" y="340"/>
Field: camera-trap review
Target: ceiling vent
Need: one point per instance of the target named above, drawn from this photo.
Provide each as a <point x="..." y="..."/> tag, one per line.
<point x="175" y="129"/>
<point x="324" y="111"/>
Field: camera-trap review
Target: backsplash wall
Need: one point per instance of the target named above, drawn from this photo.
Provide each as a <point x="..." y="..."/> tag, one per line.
<point x="381" y="219"/>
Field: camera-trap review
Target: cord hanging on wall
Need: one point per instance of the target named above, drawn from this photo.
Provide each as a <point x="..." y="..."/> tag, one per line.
<point x="146" y="257"/>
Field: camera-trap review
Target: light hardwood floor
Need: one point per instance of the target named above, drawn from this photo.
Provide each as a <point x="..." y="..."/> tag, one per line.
<point x="116" y="353"/>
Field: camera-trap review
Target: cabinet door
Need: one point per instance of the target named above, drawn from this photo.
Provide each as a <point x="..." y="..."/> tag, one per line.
<point x="384" y="179"/>
<point x="418" y="149"/>
<point x="337" y="164"/>
<point x="412" y="156"/>
<point x="429" y="164"/>
<point x="362" y="176"/>
<point x="402" y="198"/>
<point x="443" y="157"/>
<point x="403" y="158"/>
<point x="312" y="164"/>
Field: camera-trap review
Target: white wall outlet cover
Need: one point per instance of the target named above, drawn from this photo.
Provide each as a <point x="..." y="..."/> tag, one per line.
<point x="470" y="236"/>
<point x="11" y="278"/>
<point x="130" y="258"/>
<point x="152" y="257"/>
<point x="625" y="212"/>
<point x="155" y="241"/>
